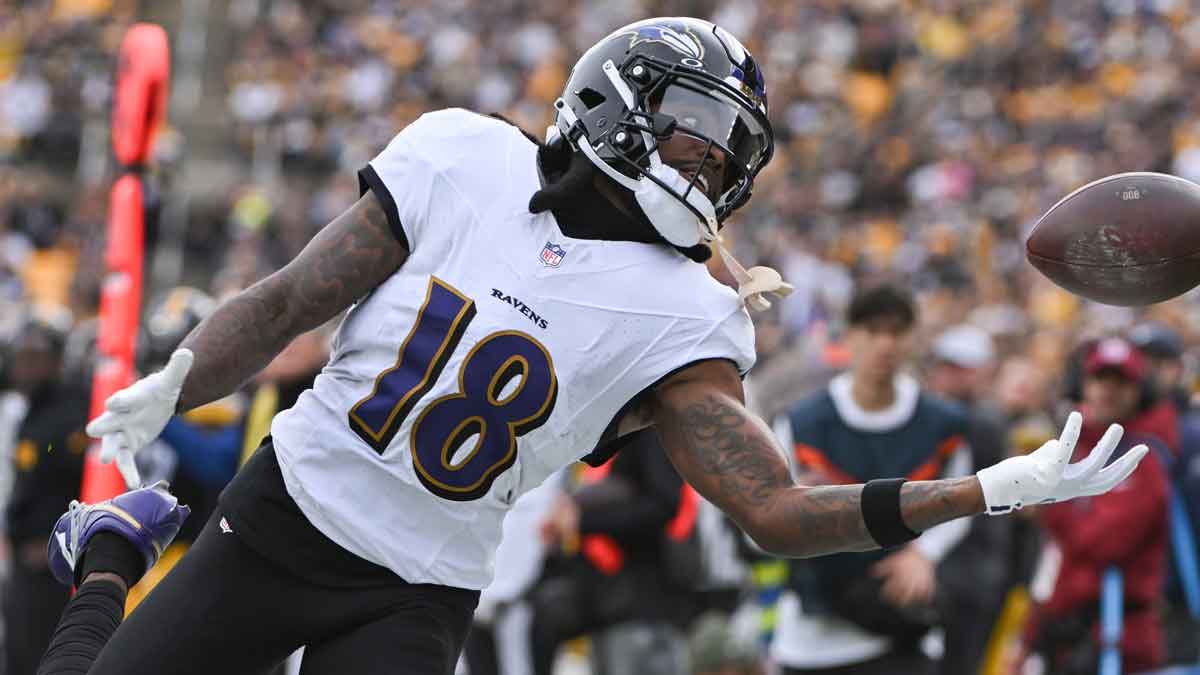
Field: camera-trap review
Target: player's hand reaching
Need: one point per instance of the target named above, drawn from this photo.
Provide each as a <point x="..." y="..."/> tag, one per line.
<point x="137" y="414"/>
<point x="1046" y="474"/>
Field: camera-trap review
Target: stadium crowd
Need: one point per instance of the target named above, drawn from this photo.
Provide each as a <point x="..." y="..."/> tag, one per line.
<point x="917" y="141"/>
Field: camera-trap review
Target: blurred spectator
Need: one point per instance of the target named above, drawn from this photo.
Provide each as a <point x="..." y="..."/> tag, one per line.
<point x="284" y="379"/>
<point x="1163" y="349"/>
<point x="499" y="642"/>
<point x="57" y="62"/>
<point x="1114" y="390"/>
<point x="975" y="574"/>
<point x="292" y="371"/>
<point x="12" y="410"/>
<point x="1125" y="529"/>
<point x="963" y="363"/>
<point x="865" y="613"/>
<point x="717" y="649"/>
<point x="1182" y="626"/>
<point x="204" y="445"/>
<point x="48" y="461"/>
<point x="1022" y="396"/>
<point x="916" y="141"/>
<point x="795" y="372"/>
<point x="633" y="525"/>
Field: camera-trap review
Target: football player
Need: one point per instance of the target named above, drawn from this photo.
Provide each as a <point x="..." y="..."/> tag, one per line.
<point x="514" y="306"/>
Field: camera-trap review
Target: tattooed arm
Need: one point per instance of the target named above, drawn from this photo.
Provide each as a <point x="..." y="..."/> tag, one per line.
<point x="730" y="456"/>
<point x="346" y="260"/>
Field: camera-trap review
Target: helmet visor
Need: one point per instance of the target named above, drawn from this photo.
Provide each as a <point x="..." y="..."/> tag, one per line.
<point x="712" y="114"/>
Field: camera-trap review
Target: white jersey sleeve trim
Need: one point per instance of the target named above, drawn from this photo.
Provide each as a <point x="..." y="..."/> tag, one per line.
<point x="369" y="180"/>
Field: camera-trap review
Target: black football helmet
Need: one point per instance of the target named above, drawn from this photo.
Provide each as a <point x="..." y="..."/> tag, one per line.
<point x="171" y="317"/>
<point x="653" y="78"/>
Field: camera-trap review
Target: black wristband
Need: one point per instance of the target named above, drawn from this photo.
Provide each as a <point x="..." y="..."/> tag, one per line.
<point x="881" y="513"/>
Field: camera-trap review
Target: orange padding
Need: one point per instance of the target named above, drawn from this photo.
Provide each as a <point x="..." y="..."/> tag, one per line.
<point x="121" y="294"/>
<point x="604" y="553"/>
<point x="933" y="467"/>
<point x="813" y="458"/>
<point x="595" y="474"/>
<point x="140" y="98"/>
<point x="120" y="307"/>
<point x="685" y="518"/>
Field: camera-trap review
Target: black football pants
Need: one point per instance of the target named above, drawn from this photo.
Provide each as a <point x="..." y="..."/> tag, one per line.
<point x="226" y="609"/>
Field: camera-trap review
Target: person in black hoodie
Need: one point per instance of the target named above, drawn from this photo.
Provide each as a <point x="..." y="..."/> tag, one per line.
<point x="48" y="469"/>
<point x="629" y="522"/>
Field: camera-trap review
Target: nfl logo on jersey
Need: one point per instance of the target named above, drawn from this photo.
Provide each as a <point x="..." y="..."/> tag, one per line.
<point x="552" y="254"/>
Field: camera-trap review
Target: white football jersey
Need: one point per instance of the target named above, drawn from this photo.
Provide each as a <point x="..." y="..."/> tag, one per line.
<point x="497" y="353"/>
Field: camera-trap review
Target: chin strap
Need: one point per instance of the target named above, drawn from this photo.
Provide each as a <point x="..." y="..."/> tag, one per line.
<point x="754" y="283"/>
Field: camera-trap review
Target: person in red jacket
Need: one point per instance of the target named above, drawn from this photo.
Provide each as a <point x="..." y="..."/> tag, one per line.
<point x="1125" y="528"/>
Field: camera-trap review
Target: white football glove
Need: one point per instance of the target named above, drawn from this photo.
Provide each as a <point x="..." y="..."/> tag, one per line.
<point x="1045" y="476"/>
<point x="137" y="414"/>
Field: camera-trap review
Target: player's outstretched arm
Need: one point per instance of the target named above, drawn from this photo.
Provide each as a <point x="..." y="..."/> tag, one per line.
<point x="346" y="260"/>
<point x="731" y="458"/>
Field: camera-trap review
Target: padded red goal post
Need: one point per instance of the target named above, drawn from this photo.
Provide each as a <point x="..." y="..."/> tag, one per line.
<point x="139" y="109"/>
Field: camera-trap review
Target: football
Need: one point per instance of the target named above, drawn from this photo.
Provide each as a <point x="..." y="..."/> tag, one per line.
<point x="1128" y="239"/>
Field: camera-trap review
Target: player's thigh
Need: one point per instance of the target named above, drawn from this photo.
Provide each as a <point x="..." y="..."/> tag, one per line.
<point x="423" y="637"/>
<point x="222" y="609"/>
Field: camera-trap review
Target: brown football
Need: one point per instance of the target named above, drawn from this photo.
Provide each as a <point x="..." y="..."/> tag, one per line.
<point x="1128" y="239"/>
